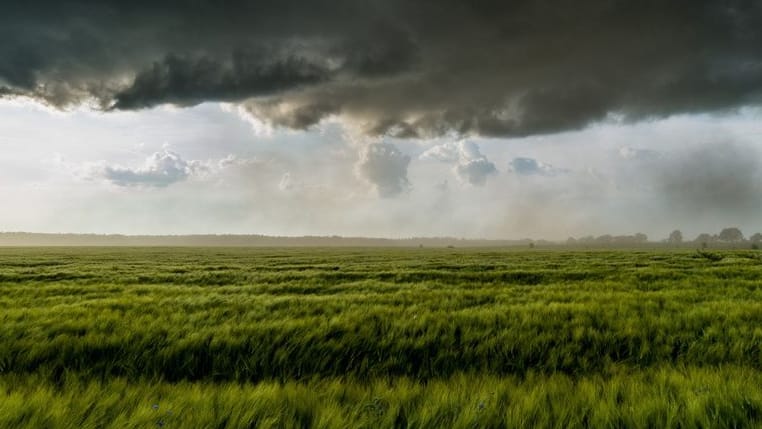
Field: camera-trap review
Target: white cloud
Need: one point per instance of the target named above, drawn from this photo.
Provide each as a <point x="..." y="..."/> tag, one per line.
<point x="385" y="167"/>
<point x="471" y="165"/>
<point x="531" y="167"/>
<point x="447" y="152"/>
<point x="159" y="170"/>
<point x="637" y="154"/>
<point x="260" y="128"/>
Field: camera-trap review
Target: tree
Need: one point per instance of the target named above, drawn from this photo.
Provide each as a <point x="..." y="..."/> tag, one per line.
<point x="640" y="237"/>
<point x="704" y="239"/>
<point x="731" y="234"/>
<point x="605" y="238"/>
<point x="675" y="237"/>
<point x="756" y="238"/>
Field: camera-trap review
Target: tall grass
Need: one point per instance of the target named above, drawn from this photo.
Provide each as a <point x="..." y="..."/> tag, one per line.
<point x="724" y="397"/>
<point x="379" y="338"/>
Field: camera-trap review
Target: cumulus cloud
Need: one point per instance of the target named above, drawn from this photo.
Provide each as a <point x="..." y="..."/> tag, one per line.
<point x="532" y="167"/>
<point x="447" y="152"/>
<point x="476" y="171"/>
<point x="471" y="165"/>
<point x="159" y="170"/>
<point x="408" y="69"/>
<point x="385" y="167"/>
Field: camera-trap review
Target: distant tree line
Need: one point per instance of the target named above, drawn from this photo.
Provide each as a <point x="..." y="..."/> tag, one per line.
<point x="638" y="238"/>
<point x="732" y="235"/>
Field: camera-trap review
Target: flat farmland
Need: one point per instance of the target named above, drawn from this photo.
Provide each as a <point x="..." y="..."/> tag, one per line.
<point x="375" y="338"/>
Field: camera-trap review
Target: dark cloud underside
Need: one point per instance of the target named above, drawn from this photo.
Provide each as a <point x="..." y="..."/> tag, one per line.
<point x="406" y="68"/>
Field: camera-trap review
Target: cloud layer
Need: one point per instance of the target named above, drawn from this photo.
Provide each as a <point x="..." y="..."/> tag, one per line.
<point x="408" y="69"/>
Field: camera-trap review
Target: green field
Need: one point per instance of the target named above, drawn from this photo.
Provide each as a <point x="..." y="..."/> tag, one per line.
<point x="346" y="338"/>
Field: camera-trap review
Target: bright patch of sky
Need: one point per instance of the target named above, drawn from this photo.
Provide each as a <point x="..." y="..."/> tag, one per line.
<point x="209" y="169"/>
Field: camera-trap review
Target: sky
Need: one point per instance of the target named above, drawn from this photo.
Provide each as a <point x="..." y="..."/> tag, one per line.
<point x="541" y="119"/>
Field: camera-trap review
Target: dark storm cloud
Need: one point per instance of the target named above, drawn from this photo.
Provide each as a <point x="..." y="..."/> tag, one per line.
<point x="409" y="69"/>
<point x="187" y="81"/>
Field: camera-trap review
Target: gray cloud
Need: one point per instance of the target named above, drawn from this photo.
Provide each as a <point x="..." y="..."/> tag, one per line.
<point x="476" y="171"/>
<point x="532" y="167"/>
<point x="408" y="69"/>
<point x="186" y="81"/>
<point x="160" y="170"/>
<point x="384" y="166"/>
<point x="711" y="178"/>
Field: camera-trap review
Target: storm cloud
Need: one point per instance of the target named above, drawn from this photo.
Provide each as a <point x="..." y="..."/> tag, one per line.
<point x="391" y="67"/>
